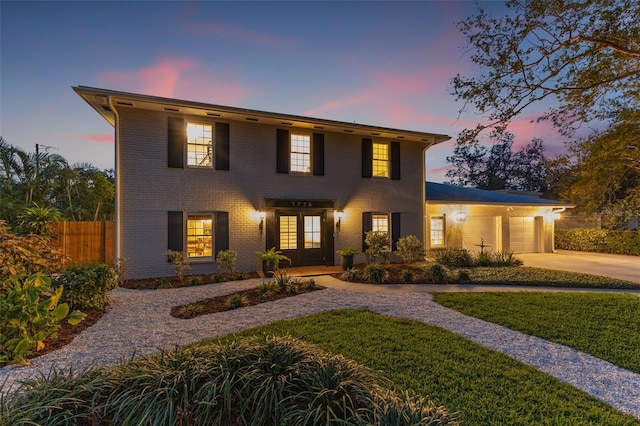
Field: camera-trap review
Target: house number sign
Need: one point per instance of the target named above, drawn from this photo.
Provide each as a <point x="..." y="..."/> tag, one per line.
<point x="299" y="204"/>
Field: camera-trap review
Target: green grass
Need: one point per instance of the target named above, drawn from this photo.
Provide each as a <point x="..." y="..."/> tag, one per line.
<point x="484" y="387"/>
<point x="529" y="276"/>
<point x="604" y="325"/>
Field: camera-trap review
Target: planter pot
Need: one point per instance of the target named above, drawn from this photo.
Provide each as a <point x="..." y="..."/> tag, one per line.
<point x="346" y="262"/>
<point x="267" y="270"/>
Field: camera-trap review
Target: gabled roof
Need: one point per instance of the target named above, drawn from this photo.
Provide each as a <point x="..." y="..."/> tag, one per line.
<point x="440" y="193"/>
<point x="104" y="101"/>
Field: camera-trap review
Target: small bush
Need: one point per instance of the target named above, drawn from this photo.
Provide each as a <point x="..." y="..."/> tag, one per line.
<point x="351" y="275"/>
<point x="437" y="274"/>
<point x="162" y="283"/>
<point x="483" y="259"/>
<point x="194" y="281"/>
<point x="407" y="276"/>
<point x="267" y="288"/>
<point x="179" y="261"/>
<point x="86" y="286"/>
<point x="120" y="269"/>
<point x="378" y="247"/>
<point x="454" y="258"/>
<point x="375" y="273"/>
<point x="283" y="279"/>
<point x="236" y="301"/>
<point x="227" y="260"/>
<point x="243" y="275"/>
<point x="463" y="276"/>
<point x="410" y="249"/>
<point x="311" y="284"/>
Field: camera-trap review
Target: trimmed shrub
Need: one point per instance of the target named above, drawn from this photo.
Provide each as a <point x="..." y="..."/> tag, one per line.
<point x="463" y="276"/>
<point x="351" y="275"/>
<point x="598" y="240"/>
<point x="410" y="249"/>
<point x="86" y="286"/>
<point x="227" y="260"/>
<point x="378" y="247"/>
<point x="454" y="258"/>
<point x="407" y="276"/>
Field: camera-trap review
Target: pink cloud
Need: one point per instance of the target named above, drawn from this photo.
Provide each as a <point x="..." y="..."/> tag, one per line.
<point x="106" y="139"/>
<point x="178" y="78"/>
<point x="356" y="99"/>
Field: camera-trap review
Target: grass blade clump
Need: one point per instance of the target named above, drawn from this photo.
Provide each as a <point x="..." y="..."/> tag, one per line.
<point x="254" y="381"/>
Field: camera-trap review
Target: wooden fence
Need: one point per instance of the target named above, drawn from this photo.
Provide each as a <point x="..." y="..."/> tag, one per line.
<point x="85" y="241"/>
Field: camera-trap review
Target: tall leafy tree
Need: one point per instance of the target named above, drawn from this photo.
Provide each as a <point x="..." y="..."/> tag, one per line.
<point x="499" y="167"/>
<point x="583" y="54"/>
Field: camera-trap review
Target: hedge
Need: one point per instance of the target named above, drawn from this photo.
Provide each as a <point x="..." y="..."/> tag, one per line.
<point x="598" y="240"/>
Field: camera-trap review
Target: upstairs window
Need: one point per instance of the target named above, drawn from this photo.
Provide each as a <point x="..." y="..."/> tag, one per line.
<point x="199" y="145"/>
<point x="380" y="160"/>
<point x="300" y="153"/>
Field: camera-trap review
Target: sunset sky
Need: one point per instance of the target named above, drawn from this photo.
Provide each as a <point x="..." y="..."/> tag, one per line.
<point x="380" y="63"/>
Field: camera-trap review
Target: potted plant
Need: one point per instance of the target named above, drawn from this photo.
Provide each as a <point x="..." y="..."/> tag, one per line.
<point x="346" y="255"/>
<point x="271" y="259"/>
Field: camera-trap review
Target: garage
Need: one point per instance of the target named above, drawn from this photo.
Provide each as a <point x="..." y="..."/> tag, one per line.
<point x="479" y="230"/>
<point x="522" y="237"/>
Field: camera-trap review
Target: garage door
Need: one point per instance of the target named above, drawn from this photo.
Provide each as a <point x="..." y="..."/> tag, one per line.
<point x="478" y="230"/>
<point x="522" y="231"/>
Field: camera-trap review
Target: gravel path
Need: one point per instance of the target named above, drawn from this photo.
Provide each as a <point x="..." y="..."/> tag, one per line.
<point x="139" y="324"/>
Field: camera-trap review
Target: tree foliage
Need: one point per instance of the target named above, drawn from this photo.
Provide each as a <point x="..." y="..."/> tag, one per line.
<point x="584" y="54"/>
<point x="498" y="167"/>
<point x="34" y="184"/>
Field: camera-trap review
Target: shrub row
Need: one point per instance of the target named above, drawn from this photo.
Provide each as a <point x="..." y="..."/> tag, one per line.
<point x="462" y="258"/>
<point x="598" y="240"/>
<point x="260" y="381"/>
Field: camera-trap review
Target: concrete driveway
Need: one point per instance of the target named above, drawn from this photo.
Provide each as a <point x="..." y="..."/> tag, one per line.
<point x="608" y="265"/>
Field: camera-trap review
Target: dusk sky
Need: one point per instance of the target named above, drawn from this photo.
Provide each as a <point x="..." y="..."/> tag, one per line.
<point x="388" y="64"/>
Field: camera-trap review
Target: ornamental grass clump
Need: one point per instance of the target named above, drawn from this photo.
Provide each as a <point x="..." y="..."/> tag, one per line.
<point x="454" y="257"/>
<point x="236" y="301"/>
<point x="375" y="273"/>
<point x="255" y="381"/>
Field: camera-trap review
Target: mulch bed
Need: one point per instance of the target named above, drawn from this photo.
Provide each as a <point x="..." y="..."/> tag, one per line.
<point x="219" y="303"/>
<point x="187" y="281"/>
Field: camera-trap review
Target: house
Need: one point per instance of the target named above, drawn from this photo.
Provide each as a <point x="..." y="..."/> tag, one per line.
<point x="476" y="219"/>
<point x="203" y="178"/>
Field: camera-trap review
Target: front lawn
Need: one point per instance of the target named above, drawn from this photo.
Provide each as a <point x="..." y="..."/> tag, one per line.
<point x="482" y="386"/>
<point x="606" y="326"/>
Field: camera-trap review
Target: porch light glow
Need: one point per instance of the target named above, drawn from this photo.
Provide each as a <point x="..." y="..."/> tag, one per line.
<point x="460" y="216"/>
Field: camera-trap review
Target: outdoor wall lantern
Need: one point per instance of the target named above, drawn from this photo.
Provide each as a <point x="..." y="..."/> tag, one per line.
<point x="261" y="216"/>
<point x="339" y="214"/>
<point x="460" y="217"/>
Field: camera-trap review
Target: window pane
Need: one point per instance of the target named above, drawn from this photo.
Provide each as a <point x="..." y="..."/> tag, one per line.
<point x="380" y="160"/>
<point x="288" y="232"/>
<point x="300" y="153"/>
<point x="380" y="223"/>
<point x="199" y="145"/>
<point x="199" y="236"/>
<point x="312" y="232"/>
<point x="437" y="231"/>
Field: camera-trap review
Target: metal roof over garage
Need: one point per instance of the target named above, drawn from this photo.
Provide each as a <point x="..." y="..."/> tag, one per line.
<point x="440" y="193"/>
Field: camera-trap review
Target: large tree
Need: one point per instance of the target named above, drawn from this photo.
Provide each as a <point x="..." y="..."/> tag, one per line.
<point x="583" y="54"/>
<point x="499" y="167"/>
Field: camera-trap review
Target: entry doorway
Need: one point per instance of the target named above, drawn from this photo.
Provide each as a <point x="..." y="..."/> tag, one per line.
<point x="302" y="230"/>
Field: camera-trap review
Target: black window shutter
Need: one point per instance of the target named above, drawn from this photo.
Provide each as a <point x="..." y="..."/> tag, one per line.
<point x="367" y="158"/>
<point x="395" y="230"/>
<point x="318" y="154"/>
<point x="282" y="151"/>
<point x="175" y="238"/>
<point x="222" y="146"/>
<point x="366" y="227"/>
<point x="221" y="232"/>
<point x="176" y="136"/>
<point x="395" y="160"/>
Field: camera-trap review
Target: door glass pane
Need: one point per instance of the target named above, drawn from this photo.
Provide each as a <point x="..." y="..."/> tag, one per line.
<point x="288" y="232"/>
<point x="312" y="232"/>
